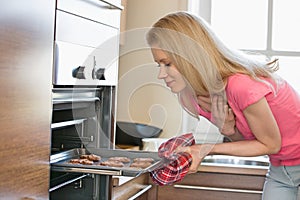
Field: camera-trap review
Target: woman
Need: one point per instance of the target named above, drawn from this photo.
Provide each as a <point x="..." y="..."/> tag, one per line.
<point x="241" y="95"/>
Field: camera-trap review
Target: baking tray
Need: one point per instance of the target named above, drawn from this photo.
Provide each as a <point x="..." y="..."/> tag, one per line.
<point x="60" y="162"/>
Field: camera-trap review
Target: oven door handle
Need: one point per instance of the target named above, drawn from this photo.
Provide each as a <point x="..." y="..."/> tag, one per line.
<point x="67" y="182"/>
<point x="75" y="100"/>
<point x="67" y="123"/>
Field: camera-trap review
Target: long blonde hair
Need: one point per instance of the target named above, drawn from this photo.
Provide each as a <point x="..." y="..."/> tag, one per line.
<point x="200" y="56"/>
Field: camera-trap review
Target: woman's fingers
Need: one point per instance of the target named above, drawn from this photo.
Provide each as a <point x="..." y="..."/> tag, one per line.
<point x="198" y="152"/>
<point x="230" y="114"/>
<point x="218" y="110"/>
<point x="220" y="105"/>
<point x="182" y="149"/>
<point x="194" y="166"/>
<point x="222" y="115"/>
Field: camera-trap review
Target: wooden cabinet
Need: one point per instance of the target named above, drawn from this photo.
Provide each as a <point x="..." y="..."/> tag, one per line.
<point x="215" y="186"/>
<point x="139" y="188"/>
<point x="211" y="182"/>
<point x="26" y="45"/>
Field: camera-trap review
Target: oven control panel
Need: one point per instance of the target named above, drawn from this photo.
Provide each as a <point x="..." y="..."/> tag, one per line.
<point x="86" y="43"/>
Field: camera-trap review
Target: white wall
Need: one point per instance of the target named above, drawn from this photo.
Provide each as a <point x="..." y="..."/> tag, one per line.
<point x="141" y="96"/>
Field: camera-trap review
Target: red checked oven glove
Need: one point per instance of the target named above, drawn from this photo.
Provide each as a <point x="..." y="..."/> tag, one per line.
<point x="178" y="163"/>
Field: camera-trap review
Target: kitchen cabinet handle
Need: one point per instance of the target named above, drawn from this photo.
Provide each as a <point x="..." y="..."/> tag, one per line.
<point x="217" y="189"/>
<point x="140" y="192"/>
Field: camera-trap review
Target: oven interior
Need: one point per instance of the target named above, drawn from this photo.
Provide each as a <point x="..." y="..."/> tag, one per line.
<point x="81" y="118"/>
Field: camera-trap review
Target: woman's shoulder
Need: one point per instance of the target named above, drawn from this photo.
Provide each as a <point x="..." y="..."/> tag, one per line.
<point x="244" y="80"/>
<point x="245" y="90"/>
<point x="239" y="77"/>
<point x="239" y="81"/>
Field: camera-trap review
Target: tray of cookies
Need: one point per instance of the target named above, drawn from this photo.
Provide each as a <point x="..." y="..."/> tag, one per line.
<point x="105" y="161"/>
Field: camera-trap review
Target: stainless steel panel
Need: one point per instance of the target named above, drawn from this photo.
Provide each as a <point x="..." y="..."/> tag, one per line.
<point x="106" y="12"/>
<point x="86" y="52"/>
<point x="71" y="56"/>
<point x="235" y="161"/>
<point x="81" y="31"/>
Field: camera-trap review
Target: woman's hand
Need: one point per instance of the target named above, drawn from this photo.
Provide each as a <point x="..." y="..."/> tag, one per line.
<point x="222" y="116"/>
<point x="198" y="153"/>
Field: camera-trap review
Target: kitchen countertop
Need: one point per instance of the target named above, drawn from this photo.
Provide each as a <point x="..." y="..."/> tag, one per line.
<point x="235" y="165"/>
<point x="222" y="164"/>
<point x="227" y="164"/>
<point x="234" y="169"/>
<point x="232" y="164"/>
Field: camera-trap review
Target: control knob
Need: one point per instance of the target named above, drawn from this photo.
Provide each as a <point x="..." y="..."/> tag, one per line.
<point x="78" y="72"/>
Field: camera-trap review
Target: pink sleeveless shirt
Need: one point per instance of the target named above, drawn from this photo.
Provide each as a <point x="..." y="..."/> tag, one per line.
<point x="243" y="91"/>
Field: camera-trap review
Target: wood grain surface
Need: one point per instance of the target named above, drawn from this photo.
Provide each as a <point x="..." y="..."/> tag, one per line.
<point x="26" y="46"/>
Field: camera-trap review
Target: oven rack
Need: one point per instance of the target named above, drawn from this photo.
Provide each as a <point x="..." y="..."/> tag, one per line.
<point x="60" y="162"/>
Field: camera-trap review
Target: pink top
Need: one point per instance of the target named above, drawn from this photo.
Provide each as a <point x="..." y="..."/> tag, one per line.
<point x="243" y="91"/>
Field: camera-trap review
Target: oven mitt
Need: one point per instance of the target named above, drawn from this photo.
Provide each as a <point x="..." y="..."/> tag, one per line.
<point x="178" y="163"/>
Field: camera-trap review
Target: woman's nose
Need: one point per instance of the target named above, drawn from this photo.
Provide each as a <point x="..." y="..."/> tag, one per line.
<point x="162" y="73"/>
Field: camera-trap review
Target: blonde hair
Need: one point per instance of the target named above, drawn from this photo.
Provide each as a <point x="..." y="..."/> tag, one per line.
<point x="200" y="56"/>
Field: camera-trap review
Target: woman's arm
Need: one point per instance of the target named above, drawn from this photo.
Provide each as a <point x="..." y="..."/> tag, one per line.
<point x="263" y="125"/>
<point x="237" y="136"/>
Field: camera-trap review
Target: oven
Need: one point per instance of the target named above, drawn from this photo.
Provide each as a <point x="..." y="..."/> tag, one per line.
<point x="82" y="118"/>
<point x="85" y="76"/>
<point x="83" y="123"/>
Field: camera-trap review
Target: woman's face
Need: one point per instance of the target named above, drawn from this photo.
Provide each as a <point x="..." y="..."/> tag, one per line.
<point x="168" y="71"/>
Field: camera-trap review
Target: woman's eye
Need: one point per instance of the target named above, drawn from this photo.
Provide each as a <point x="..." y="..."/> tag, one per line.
<point x="164" y="65"/>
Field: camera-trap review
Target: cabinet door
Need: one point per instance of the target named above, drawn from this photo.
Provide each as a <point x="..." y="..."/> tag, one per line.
<point x="137" y="188"/>
<point x="26" y="46"/>
<point x="215" y="186"/>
